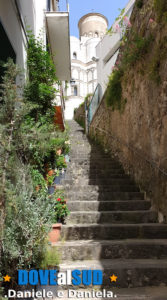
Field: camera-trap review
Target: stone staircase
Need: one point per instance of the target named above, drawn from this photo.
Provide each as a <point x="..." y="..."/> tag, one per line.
<point x="111" y="226"/>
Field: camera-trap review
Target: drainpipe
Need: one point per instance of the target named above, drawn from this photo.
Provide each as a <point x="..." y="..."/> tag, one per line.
<point x="20" y="20"/>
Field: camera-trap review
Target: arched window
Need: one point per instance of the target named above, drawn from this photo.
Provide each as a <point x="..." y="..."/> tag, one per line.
<point x="96" y="34"/>
<point x="74" y="55"/>
<point x="75" y="91"/>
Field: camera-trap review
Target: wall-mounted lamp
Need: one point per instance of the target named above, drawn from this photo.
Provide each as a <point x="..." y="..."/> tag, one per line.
<point x="96" y="59"/>
<point x="72" y="81"/>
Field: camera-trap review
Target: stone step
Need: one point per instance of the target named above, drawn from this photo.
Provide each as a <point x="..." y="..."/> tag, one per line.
<point x="113" y="231"/>
<point x="130" y="272"/>
<point x="103" y="196"/>
<point x="109" y="205"/>
<point x="110" y="217"/>
<point x="94" y="189"/>
<point x="103" y="166"/>
<point x="93" y="177"/>
<point x="99" y="181"/>
<point x="88" y="152"/>
<point x="103" y="175"/>
<point x="88" y="159"/>
<point x="117" y="249"/>
<point x="89" y="172"/>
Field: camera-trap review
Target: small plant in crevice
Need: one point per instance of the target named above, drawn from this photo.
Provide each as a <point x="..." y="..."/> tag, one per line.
<point x="136" y="49"/>
<point x="159" y="55"/>
<point x="133" y="52"/>
<point x="51" y="257"/>
<point x="160" y="7"/>
<point x="114" y="89"/>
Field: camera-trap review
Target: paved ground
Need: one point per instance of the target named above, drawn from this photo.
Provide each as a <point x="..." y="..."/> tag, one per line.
<point x="70" y="105"/>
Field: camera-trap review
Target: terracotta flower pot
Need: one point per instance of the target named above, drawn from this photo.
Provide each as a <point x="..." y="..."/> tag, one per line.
<point x="37" y="188"/>
<point x="54" y="234"/>
<point x="50" y="172"/>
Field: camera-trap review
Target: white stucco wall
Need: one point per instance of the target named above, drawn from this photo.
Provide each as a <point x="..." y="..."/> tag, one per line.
<point x="107" y="51"/>
<point x="32" y="14"/>
<point x="9" y="20"/>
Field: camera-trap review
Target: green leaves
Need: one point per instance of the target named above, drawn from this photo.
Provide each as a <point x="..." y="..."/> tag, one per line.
<point x="42" y="75"/>
<point x="161" y="10"/>
<point x="29" y="139"/>
<point x="134" y="51"/>
<point x="114" y="90"/>
<point x="39" y="62"/>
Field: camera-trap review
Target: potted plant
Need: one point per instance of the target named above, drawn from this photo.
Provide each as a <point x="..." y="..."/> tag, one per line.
<point x="50" y="181"/>
<point x="61" y="210"/>
<point x="60" y="170"/>
<point x="54" y="234"/>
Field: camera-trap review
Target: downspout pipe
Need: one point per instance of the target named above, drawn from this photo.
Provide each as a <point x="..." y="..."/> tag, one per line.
<point x="20" y="20"/>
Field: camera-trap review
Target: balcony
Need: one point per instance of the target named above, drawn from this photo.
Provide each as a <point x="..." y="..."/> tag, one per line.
<point x="57" y="23"/>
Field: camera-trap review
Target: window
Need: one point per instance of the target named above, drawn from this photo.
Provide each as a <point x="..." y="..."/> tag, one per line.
<point x="75" y="91"/>
<point x="96" y="34"/>
<point x="74" y="55"/>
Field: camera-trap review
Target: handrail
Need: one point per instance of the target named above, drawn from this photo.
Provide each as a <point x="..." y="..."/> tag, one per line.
<point x="151" y="162"/>
<point x="94" y="103"/>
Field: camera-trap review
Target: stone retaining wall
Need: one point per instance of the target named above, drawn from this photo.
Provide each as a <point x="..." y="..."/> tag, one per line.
<point x="79" y="115"/>
<point x="138" y="134"/>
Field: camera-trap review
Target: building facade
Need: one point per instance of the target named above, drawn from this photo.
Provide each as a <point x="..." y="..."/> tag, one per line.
<point x="92" y="28"/>
<point x="44" y="19"/>
<point x="108" y="48"/>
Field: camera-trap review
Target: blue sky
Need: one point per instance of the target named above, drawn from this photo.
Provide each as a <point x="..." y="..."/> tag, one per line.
<point x="78" y="8"/>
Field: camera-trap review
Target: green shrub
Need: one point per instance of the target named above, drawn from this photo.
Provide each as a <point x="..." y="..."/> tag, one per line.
<point x="114" y="89"/>
<point x="135" y="50"/>
<point x="27" y="215"/>
<point x="81" y="122"/>
<point x="60" y="162"/>
<point x="42" y="75"/>
<point x="51" y="258"/>
<point x="26" y="227"/>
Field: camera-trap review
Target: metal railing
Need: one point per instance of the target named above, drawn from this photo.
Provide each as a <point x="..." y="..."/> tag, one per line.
<point x="94" y="104"/>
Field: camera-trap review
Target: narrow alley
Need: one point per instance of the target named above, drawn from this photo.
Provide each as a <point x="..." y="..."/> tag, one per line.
<point x="111" y="226"/>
